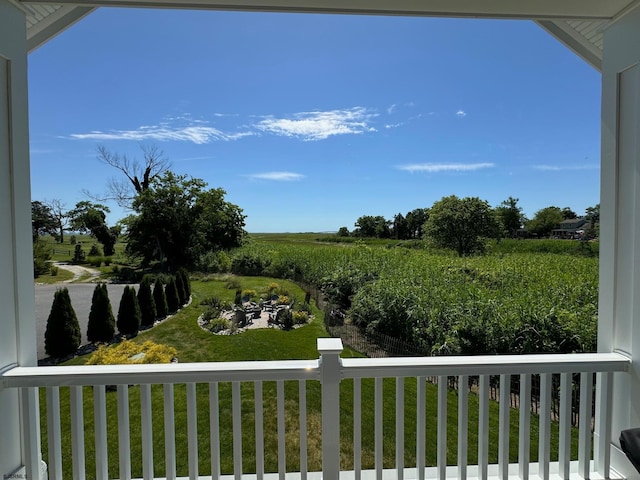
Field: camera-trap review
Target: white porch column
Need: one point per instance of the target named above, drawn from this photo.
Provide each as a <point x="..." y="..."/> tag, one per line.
<point x="17" y="318"/>
<point x="619" y="315"/>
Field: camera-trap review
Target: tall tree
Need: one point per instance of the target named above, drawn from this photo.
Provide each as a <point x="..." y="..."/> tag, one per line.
<point x="510" y="216"/>
<point x="545" y="220"/>
<point x="42" y="220"/>
<point x="592" y="214"/>
<point x="91" y="217"/>
<point x="62" y="335"/>
<point x="178" y="220"/>
<point x="568" y="214"/>
<point x="138" y="175"/>
<point x="416" y="219"/>
<point x="400" y="227"/>
<point x="372" y="226"/>
<point x="461" y="224"/>
<point x="102" y="324"/>
<point x="61" y="216"/>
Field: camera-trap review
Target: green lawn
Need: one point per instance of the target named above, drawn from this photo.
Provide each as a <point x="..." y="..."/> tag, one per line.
<point x="196" y="345"/>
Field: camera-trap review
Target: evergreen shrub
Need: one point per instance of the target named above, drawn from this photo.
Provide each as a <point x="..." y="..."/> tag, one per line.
<point x="129" y="315"/>
<point x="171" y="291"/>
<point x="62" y="335"/>
<point x="102" y="324"/>
<point x="147" y="304"/>
<point x="160" y="299"/>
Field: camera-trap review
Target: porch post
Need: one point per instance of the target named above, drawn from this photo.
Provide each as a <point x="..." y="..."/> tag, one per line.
<point x="619" y="302"/>
<point x="17" y="318"/>
<point x="330" y="376"/>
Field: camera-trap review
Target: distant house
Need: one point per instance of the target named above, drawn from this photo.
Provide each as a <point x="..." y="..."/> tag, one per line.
<point x="570" y="228"/>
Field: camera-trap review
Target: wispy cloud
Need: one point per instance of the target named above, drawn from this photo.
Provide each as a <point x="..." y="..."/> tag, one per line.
<point x="393" y="125"/>
<point x="564" y="168"/>
<point x="163" y="133"/>
<point x="310" y="126"/>
<point x="461" y="113"/>
<point x="277" y="176"/>
<point x="445" y="167"/>
<point x="391" y="109"/>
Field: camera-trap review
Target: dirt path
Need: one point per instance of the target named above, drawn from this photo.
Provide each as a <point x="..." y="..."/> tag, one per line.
<point x="78" y="271"/>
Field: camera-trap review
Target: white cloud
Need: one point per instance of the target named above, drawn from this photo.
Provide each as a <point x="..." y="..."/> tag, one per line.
<point x="163" y="133"/>
<point x="277" y="176"/>
<point x="310" y="126"/>
<point x="393" y="125"/>
<point x="445" y="167"/>
<point x="391" y="109"/>
<point x="561" y="168"/>
<point x="461" y="113"/>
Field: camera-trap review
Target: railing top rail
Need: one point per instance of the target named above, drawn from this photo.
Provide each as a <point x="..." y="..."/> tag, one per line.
<point x="160" y="373"/>
<point x="484" y="365"/>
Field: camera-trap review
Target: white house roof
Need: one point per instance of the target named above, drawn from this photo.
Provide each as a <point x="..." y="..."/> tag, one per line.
<point x="576" y="23"/>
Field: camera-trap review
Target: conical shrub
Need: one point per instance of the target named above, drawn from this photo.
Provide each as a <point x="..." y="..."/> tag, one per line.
<point x="146" y="302"/>
<point x="160" y="299"/>
<point x="129" y="312"/>
<point x="187" y="283"/>
<point x="171" y="291"/>
<point x="182" y="296"/>
<point x="62" y="335"/>
<point x="102" y="324"/>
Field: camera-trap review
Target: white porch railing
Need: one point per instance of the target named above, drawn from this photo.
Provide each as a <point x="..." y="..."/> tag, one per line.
<point x="299" y="396"/>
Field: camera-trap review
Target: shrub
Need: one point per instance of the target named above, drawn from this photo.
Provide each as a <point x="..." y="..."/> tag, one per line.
<point x="94" y="261"/>
<point x="285" y="318"/>
<point x="238" y="298"/>
<point x="122" y="354"/>
<point x="107" y="261"/>
<point x="53" y="270"/>
<point x="62" y="336"/>
<point x="129" y="312"/>
<point x="95" y="251"/>
<point x="216" y="325"/>
<point x="248" y="264"/>
<point x="171" y="291"/>
<point x="283" y="300"/>
<point x="160" y="299"/>
<point x="147" y="304"/>
<point x="78" y="254"/>
<point x="102" y="325"/>
<point x="72" y="240"/>
<point x="182" y="294"/>
<point x="186" y="281"/>
<point x="251" y="294"/>
<point x="233" y="283"/>
<point x="300" y="317"/>
<point x="41" y="257"/>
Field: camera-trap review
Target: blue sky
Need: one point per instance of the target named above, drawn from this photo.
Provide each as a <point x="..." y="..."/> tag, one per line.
<point x="309" y="121"/>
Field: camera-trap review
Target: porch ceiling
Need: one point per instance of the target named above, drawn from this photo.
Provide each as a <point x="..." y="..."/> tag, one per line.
<point x="576" y="23"/>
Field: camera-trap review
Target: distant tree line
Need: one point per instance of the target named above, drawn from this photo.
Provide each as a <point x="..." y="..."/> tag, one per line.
<point x="463" y="224"/>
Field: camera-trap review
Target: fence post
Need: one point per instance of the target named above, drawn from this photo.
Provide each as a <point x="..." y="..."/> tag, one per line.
<point x="330" y="376"/>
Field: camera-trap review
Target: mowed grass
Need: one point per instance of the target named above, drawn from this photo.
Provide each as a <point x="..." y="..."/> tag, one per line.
<point x="195" y="345"/>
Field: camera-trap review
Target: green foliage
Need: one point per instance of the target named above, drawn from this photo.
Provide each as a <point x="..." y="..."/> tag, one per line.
<point x="186" y="281"/>
<point x="160" y="299"/>
<point x="300" y="317"/>
<point x="343" y="232"/>
<point x="247" y="264"/>
<point x="42" y="220"/>
<point x="91" y="217"/>
<point x="285" y="318"/>
<point x="461" y="224"/>
<point x="102" y="325"/>
<point x="129" y="315"/>
<point x="544" y="221"/>
<point x="53" y="270"/>
<point x="510" y="216"/>
<point x="62" y="335"/>
<point x="78" y="254"/>
<point x="173" y="300"/>
<point x="178" y="220"/>
<point x="447" y="304"/>
<point x="216" y="325"/>
<point x="41" y="257"/>
<point x="372" y="226"/>
<point x="147" y="304"/>
<point x="95" y="251"/>
<point x="180" y="289"/>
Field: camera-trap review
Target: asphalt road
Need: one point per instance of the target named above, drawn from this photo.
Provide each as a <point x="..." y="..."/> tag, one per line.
<point x="80" y="294"/>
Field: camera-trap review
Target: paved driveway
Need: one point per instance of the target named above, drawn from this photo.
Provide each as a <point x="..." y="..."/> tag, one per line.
<point x="80" y="294"/>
